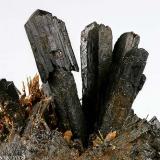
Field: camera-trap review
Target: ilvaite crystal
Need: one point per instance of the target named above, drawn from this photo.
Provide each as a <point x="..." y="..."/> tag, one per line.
<point x="96" y="55"/>
<point x="55" y="61"/>
<point x="124" y="44"/>
<point x="127" y="86"/>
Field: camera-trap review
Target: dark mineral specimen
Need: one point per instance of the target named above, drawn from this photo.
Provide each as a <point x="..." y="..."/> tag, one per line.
<point x="11" y="113"/>
<point x="96" y="56"/>
<point x="50" y="123"/>
<point x="111" y="81"/>
<point x="124" y="90"/>
<point x="55" y="61"/>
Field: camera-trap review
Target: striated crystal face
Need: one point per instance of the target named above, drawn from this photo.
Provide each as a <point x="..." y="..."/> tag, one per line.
<point x="50" y="44"/>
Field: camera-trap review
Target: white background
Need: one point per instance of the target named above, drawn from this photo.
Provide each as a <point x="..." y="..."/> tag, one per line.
<point x="141" y="16"/>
